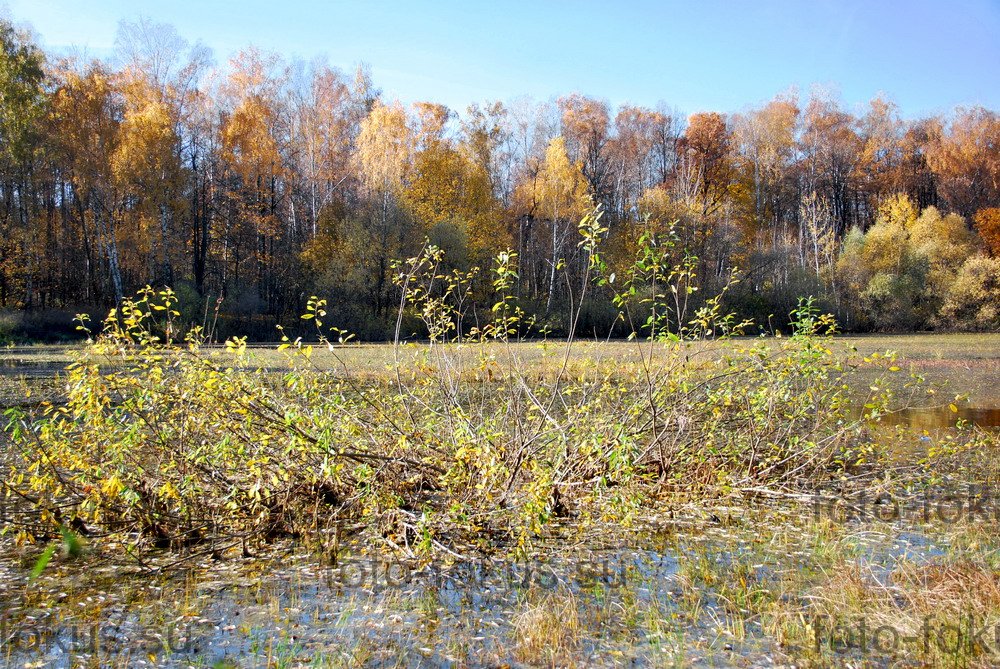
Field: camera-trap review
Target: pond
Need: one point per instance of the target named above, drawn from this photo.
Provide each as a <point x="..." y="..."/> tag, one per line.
<point x="687" y="590"/>
<point x="939" y="418"/>
<point x="759" y="580"/>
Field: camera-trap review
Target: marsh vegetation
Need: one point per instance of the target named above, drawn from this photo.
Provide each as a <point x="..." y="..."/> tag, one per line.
<point x="690" y="495"/>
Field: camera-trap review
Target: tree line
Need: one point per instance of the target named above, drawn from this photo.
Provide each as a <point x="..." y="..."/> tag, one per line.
<point x="249" y="186"/>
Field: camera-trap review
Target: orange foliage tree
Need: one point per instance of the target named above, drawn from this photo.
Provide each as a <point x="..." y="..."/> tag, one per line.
<point x="988" y="226"/>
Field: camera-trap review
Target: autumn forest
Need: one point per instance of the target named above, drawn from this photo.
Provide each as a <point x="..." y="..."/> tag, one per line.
<point x="251" y="184"/>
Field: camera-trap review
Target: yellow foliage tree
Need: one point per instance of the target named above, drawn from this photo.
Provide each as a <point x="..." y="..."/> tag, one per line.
<point x="85" y="112"/>
<point x="558" y="194"/>
<point x="945" y="242"/>
<point x="449" y="193"/>
<point x="147" y="167"/>
<point x="249" y="139"/>
<point x="383" y="156"/>
<point x="384" y="148"/>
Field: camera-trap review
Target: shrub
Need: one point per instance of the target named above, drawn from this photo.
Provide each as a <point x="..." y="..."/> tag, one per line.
<point x="973" y="300"/>
<point x="463" y="444"/>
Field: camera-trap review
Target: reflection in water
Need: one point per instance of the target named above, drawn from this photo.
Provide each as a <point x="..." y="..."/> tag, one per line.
<point x="33" y="368"/>
<point x="938" y="418"/>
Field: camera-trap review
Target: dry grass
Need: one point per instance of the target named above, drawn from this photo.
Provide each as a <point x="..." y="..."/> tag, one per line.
<point x="965" y="587"/>
<point x="547" y="631"/>
<point x="926" y="614"/>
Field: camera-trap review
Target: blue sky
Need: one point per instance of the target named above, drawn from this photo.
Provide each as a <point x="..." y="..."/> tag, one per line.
<point x="694" y="55"/>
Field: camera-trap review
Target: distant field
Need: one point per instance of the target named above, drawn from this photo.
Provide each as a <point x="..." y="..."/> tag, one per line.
<point x="967" y="364"/>
<point x="963" y="363"/>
